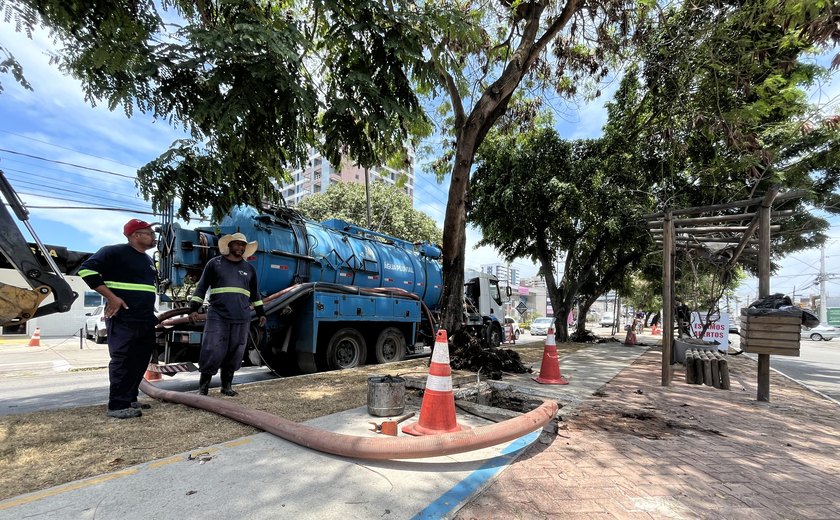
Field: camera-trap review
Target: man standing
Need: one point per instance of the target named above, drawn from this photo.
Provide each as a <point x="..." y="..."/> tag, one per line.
<point x="234" y="290"/>
<point x="125" y="275"/>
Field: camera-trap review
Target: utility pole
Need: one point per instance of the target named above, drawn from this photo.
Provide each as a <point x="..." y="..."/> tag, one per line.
<point x="823" y="306"/>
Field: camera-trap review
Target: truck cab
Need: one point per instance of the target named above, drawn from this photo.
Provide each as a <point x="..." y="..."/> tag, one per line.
<point x="483" y="311"/>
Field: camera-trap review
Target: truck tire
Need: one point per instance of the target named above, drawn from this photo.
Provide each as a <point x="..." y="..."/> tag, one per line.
<point x="390" y="346"/>
<point x="494" y="335"/>
<point x="97" y="337"/>
<point x="346" y="349"/>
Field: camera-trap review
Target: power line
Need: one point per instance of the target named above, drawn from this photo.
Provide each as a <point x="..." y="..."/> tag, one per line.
<point x="65" y="172"/>
<point x="69" y="149"/>
<point x="96" y="193"/>
<point x="66" y="163"/>
<point x="51" y="197"/>
<point x="62" y="190"/>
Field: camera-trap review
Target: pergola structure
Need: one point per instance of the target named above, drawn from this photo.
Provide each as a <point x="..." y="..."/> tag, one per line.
<point x="725" y="236"/>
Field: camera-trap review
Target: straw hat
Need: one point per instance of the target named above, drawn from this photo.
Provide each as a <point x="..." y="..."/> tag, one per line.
<point x="250" y="247"/>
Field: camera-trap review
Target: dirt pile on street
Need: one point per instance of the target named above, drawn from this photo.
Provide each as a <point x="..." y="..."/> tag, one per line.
<point x="469" y="353"/>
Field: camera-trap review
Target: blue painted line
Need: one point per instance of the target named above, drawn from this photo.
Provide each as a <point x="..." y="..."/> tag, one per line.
<point x="475" y="480"/>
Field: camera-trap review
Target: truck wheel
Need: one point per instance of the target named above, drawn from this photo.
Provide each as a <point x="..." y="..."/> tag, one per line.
<point x="87" y="333"/>
<point x="98" y="337"/>
<point x="516" y="334"/>
<point x="346" y="349"/>
<point x="494" y="335"/>
<point x="390" y="346"/>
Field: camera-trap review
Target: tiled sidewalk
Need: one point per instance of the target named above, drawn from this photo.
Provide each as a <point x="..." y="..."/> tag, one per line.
<point x="640" y="450"/>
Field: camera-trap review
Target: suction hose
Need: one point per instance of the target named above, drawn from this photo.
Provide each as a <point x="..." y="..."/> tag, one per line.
<point x="377" y="448"/>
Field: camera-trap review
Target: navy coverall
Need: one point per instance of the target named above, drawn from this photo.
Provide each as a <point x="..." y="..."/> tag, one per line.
<point x="233" y="289"/>
<point x="130" y="275"/>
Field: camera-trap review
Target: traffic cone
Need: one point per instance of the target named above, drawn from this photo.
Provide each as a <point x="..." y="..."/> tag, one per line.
<point x="35" y="341"/>
<point x="550" y="368"/>
<point x="152" y="373"/>
<point x="437" y="411"/>
<point x="654" y="329"/>
<point x="630" y="338"/>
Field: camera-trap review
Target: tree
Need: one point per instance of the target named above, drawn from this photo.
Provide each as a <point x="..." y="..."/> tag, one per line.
<point x="253" y="84"/>
<point x="391" y="210"/>
<point x="722" y="114"/>
<point x="480" y="65"/>
<point x="574" y="207"/>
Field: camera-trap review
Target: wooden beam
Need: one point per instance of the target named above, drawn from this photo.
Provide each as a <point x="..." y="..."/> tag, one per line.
<point x="763" y="383"/>
<point x="717" y="229"/>
<point x="723" y="218"/>
<point x="667" y="299"/>
<point x="794" y="194"/>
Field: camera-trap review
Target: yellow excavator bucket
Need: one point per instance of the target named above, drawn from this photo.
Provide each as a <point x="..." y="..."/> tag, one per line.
<point x="19" y="305"/>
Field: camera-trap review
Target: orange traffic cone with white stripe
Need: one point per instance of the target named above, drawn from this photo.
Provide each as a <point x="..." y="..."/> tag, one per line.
<point x="630" y="337"/>
<point x="35" y="341"/>
<point x="550" y="368"/>
<point x="437" y="412"/>
<point x="152" y="373"/>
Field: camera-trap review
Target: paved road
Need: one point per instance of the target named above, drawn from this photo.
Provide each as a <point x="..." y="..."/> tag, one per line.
<point x="818" y="365"/>
<point x="55" y="390"/>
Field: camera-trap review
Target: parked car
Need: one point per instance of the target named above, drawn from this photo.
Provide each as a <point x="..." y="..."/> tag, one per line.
<point x="821" y="332"/>
<point x="540" y="326"/>
<point x="510" y="320"/>
<point x="607" y="320"/>
<point x="95" y="325"/>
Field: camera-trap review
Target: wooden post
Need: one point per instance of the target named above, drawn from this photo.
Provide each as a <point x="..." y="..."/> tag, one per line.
<point x="707" y="367"/>
<point x="667" y="298"/>
<point x="723" y="367"/>
<point x="689" y="367"/>
<point x="763" y="392"/>
<point x="715" y="370"/>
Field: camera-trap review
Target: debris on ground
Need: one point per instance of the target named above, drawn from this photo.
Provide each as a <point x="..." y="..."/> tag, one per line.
<point x="584" y="337"/>
<point x="469" y="353"/>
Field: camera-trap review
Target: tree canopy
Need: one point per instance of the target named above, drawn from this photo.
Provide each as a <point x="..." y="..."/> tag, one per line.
<point x="578" y="208"/>
<point x="252" y="83"/>
<point x="391" y="210"/>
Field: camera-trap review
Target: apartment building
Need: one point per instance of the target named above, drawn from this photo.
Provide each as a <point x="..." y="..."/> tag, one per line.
<point x="318" y="174"/>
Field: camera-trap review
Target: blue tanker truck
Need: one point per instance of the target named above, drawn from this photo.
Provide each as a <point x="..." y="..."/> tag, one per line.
<point x="336" y="295"/>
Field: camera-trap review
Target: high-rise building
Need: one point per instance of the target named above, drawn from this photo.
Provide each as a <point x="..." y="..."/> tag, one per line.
<point x="507" y="275"/>
<point x="318" y="174"/>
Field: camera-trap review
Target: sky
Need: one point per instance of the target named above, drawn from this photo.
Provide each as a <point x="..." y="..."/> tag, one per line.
<point x="59" y="151"/>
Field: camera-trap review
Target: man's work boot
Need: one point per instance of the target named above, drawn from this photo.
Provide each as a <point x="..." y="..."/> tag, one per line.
<point x="204" y="383"/>
<point x="124" y="413"/>
<point x="227" y="382"/>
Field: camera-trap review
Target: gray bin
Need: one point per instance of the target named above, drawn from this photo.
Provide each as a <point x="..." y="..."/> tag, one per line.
<point x="386" y="396"/>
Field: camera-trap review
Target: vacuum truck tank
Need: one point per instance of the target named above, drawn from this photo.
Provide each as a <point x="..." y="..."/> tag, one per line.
<point x="334" y="293"/>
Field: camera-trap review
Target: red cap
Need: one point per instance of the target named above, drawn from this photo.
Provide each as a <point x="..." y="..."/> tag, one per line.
<point x="134" y="225"/>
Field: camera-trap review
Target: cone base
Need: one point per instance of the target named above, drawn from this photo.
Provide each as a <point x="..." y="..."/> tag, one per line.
<point x="152" y="376"/>
<point x="551" y="381"/>
<point x="34" y="344"/>
<point x="417" y="430"/>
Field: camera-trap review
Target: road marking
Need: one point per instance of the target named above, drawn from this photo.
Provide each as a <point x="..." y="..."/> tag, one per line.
<point x="473" y="482"/>
<point x="65" y="488"/>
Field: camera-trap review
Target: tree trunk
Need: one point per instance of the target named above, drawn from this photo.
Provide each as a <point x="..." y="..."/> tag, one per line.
<point x="455" y="236"/>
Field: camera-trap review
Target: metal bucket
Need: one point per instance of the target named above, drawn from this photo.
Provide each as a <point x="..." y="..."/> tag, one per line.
<point x="386" y="396"/>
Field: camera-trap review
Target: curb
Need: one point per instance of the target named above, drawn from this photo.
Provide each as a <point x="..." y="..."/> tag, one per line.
<point x="36" y="366"/>
<point x="798" y="382"/>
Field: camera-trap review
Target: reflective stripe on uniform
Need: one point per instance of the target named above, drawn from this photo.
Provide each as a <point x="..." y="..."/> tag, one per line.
<point x="439" y="383"/>
<point x="130" y="286"/>
<point x="237" y="290"/>
<point x="199" y="299"/>
<point x="86" y="272"/>
<point x="258" y="302"/>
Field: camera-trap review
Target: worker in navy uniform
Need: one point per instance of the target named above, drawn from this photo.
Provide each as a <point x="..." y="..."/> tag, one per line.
<point x="231" y="283"/>
<point x="125" y="275"/>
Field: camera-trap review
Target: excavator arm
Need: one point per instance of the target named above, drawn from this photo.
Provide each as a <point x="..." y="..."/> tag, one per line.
<point x="17" y="305"/>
